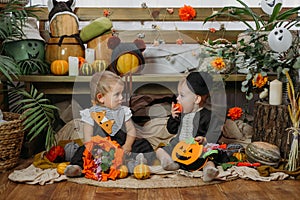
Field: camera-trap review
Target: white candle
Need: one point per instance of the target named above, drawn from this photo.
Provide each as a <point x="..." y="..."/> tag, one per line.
<point x="73" y="66"/>
<point x="275" y="97"/>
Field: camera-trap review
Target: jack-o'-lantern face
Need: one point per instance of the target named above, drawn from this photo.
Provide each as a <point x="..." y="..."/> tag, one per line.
<point x="25" y="49"/>
<point x="268" y="5"/>
<point x="186" y="153"/>
<point x="280" y="39"/>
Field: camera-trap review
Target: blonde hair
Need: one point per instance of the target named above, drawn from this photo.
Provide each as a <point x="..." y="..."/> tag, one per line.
<point x="102" y="82"/>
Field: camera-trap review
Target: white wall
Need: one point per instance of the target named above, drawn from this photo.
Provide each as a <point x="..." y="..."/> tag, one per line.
<point x="165" y="3"/>
<point x="171" y="4"/>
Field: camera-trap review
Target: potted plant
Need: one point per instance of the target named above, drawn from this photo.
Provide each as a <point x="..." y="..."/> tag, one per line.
<point x="36" y="110"/>
<point x="252" y="55"/>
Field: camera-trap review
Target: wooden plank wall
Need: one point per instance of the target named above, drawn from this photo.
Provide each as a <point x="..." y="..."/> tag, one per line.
<point x="156" y="15"/>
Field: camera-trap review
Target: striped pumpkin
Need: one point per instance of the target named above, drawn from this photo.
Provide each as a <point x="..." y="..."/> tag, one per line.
<point x="59" y="67"/>
<point x="127" y="63"/>
<point x="123" y="171"/>
<point x="141" y="171"/>
<point x="263" y="152"/>
<point x="99" y="65"/>
<point x="86" y="69"/>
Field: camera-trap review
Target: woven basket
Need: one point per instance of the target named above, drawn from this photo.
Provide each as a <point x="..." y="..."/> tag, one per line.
<point x="11" y="139"/>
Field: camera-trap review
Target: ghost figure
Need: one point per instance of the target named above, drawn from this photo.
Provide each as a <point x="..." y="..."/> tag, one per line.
<point x="280" y="39"/>
<point x="268" y="5"/>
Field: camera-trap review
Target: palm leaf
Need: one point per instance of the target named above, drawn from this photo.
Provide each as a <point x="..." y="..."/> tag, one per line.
<point x="39" y="115"/>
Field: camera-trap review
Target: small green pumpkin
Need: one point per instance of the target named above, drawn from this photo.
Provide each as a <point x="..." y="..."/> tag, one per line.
<point x="86" y="69"/>
<point x="99" y="65"/>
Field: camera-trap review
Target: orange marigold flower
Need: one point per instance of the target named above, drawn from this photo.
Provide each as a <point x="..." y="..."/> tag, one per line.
<point x="212" y="30"/>
<point x="218" y="63"/>
<point x="106" y="12"/>
<point x="187" y="13"/>
<point x="235" y="113"/>
<point x="259" y="81"/>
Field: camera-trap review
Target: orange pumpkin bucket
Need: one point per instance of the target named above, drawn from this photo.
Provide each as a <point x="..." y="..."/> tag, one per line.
<point x="63" y="47"/>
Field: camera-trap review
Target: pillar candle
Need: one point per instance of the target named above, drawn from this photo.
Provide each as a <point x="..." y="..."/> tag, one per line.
<point x="275" y="97"/>
<point x="73" y="66"/>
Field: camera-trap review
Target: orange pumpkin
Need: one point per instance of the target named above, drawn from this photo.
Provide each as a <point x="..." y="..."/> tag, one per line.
<point x="123" y="171"/>
<point x="81" y="60"/>
<point x="127" y="63"/>
<point x="141" y="171"/>
<point x="187" y="153"/>
<point x="59" y="67"/>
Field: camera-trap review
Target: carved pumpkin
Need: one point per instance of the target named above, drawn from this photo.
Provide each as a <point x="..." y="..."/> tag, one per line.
<point x="59" y="67"/>
<point x="99" y="65"/>
<point x="186" y="152"/>
<point x="86" y="69"/>
<point x="127" y="63"/>
<point x="61" y="167"/>
<point x="123" y="171"/>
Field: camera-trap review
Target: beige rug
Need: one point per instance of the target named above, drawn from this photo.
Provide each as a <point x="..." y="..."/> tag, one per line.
<point x="156" y="181"/>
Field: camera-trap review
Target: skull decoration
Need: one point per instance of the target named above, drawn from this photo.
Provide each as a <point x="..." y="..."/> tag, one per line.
<point x="268" y="5"/>
<point x="280" y="39"/>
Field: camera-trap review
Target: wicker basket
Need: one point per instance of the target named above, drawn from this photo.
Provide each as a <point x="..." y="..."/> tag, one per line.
<point x="11" y="139"/>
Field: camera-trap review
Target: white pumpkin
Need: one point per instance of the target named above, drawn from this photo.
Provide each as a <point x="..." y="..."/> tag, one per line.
<point x="268" y="5"/>
<point x="280" y="39"/>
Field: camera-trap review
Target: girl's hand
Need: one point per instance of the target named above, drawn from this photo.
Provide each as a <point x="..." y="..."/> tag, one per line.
<point x="175" y="110"/>
<point x="127" y="149"/>
<point x="201" y="140"/>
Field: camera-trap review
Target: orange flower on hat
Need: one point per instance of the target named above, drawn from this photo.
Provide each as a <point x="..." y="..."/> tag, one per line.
<point x="235" y="113"/>
<point x="187" y="13"/>
<point x="218" y="63"/>
<point x="259" y="81"/>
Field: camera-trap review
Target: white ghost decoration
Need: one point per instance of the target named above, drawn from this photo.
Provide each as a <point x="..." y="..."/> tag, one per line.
<point x="280" y="39"/>
<point x="268" y="5"/>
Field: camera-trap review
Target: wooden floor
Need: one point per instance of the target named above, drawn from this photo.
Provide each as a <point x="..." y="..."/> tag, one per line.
<point x="231" y="190"/>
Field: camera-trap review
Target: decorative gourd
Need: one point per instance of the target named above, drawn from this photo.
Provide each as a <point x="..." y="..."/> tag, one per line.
<point x="86" y="69"/>
<point x="99" y="65"/>
<point x="123" y="171"/>
<point x="187" y="152"/>
<point x="141" y="171"/>
<point x="127" y="63"/>
<point x="240" y="156"/>
<point x="81" y="60"/>
<point x="263" y="152"/>
<point x="59" y="67"/>
<point x="61" y="167"/>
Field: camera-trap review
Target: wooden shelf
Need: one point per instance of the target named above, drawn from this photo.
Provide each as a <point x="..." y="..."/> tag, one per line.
<point x="135" y="78"/>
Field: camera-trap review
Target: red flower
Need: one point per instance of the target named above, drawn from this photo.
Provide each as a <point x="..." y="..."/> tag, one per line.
<point x="106" y="12"/>
<point x="235" y="113"/>
<point x="187" y="13"/>
<point x="212" y="30"/>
